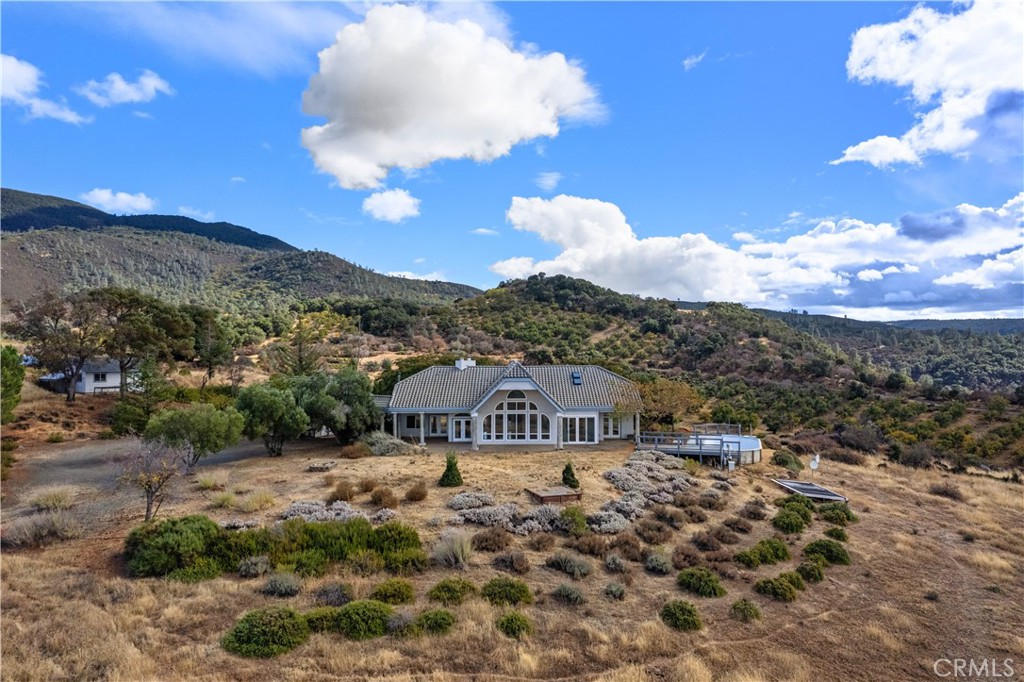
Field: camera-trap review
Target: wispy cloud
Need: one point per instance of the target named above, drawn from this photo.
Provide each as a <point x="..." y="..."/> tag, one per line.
<point x="114" y="89"/>
<point x="198" y="214"/>
<point x="21" y="85"/>
<point x="693" y="60"/>
<point x="237" y="179"/>
<point x="548" y="180"/>
<point x="485" y="231"/>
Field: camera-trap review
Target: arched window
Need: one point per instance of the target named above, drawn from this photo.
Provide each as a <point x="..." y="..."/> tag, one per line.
<point x="516" y="395"/>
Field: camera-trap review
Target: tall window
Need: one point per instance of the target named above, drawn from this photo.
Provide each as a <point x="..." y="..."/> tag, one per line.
<point x="516" y="419"/>
<point x="579" y="430"/>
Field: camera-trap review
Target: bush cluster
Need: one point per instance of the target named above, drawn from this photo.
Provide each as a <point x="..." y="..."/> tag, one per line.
<point x="506" y="591"/>
<point x="658" y="564"/>
<point x="453" y="549"/>
<point x="681" y="615"/>
<point x="451" y="591"/>
<point x="616" y="591"/>
<point x="574" y="567"/>
<point x="513" y="562"/>
<point x="776" y="588"/>
<point x="435" y="622"/>
<point x="417" y="493"/>
<point x="837" y="533"/>
<point x="573" y="521"/>
<point x="812" y="570"/>
<point x="769" y="551"/>
<point x="514" y="624"/>
<point x="700" y="581"/>
<point x="653" y="532"/>
<point x="281" y="585"/>
<point x="394" y="591"/>
<point x="829" y="550"/>
<point x="266" y="632"/>
<point x="199" y="570"/>
<point x="838" y="513"/>
<point x="567" y="594"/>
<point x="363" y="619"/>
<point x="493" y="539"/>
<point x="745" y="611"/>
<point x="333" y="594"/>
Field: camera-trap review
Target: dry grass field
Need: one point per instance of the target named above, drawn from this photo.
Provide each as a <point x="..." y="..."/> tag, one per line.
<point x="931" y="578"/>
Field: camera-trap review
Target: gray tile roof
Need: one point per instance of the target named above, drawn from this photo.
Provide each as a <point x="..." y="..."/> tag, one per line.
<point x="100" y="365"/>
<point x="381" y="401"/>
<point x="448" y="388"/>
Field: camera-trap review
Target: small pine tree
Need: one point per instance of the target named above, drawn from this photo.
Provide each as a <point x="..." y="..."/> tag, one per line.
<point x="451" y="478"/>
<point x="569" y="477"/>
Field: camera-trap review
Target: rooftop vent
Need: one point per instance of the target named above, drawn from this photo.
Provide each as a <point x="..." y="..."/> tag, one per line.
<point x="577" y="379"/>
<point x="462" y="364"/>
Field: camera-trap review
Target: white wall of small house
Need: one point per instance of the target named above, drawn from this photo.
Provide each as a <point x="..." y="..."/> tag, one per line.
<point x="87" y="382"/>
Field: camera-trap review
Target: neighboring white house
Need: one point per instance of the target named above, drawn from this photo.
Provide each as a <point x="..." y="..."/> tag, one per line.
<point x="513" y="405"/>
<point x="99" y="375"/>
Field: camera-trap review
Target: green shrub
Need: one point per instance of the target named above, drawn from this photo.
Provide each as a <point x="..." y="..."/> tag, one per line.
<point x="787" y="460"/>
<point x="322" y="619"/>
<point x="838" y="513"/>
<point x="573" y="521"/>
<point x="514" y="624"/>
<point x="681" y="615"/>
<point x="406" y="561"/>
<point x="506" y="591"/>
<point x="394" y="591"/>
<point x="800" y="510"/>
<point x="203" y="568"/>
<point x="811" y="571"/>
<point x="745" y="611"/>
<point x="567" y="594"/>
<point x="393" y="537"/>
<point x="801" y="500"/>
<point x="435" y="622"/>
<point x="266" y="632"/>
<point x="366" y="562"/>
<point x="55" y="437"/>
<point x="333" y="594"/>
<point x="452" y="477"/>
<point x="768" y="551"/>
<point x="282" y="585"/>
<point x="788" y="522"/>
<point x="569" y="477"/>
<point x="157" y="548"/>
<point x="451" y="591"/>
<point x="837" y="533"/>
<point x="793" y="579"/>
<point x="616" y="591"/>
<point x="309" y="563"/>
<point x="574" y="567"/>
<point x="700" y="581"/>
<point x="363" y="619"/>
<point x="830" y="550"/>
<point x="776" y="588"/>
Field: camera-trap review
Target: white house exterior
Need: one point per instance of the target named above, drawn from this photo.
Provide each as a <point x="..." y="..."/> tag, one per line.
<point x="98" y="376"/>
<point x="554" y="405"/>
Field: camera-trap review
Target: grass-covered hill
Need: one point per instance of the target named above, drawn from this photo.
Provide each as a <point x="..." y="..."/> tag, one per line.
<point x="67" y="246"/>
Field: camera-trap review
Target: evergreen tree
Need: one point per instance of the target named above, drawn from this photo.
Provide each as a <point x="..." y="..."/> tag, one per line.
<point x="569" y="477"/>
<point x="451" y="478"/>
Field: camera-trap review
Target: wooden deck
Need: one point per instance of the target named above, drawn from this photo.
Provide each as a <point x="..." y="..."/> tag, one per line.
<point x="555" y="495"/>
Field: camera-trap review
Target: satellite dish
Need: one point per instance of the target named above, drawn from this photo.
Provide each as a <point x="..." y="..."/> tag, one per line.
<point x="814" y="462"/>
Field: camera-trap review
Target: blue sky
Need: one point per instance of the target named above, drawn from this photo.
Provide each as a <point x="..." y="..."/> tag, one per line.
<point x="847" y="158"/>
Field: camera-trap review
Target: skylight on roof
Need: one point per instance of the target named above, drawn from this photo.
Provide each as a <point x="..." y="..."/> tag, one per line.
<point x="577" y="379"/>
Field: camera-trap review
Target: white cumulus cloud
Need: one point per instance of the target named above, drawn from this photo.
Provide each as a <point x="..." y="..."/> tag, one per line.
<point x="21" y="84"/>
<point x="114" y="89"/>
<point x="198" y="214"/>
<point x="118" y="202"/>
<point x="393" y="205"/>
<point x="404" y="89"/>
<point x="964" y="259"/>
<point x="952" y="63"/>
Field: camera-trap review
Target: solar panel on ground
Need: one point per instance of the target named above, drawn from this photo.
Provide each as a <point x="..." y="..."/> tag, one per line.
<point x="811" y="490"/>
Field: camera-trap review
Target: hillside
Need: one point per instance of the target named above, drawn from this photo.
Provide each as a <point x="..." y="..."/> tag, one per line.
<point x="69" y="246"/>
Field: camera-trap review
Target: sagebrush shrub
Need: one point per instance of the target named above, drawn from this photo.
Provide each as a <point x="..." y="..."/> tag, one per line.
<point x="40" y="529"/>
<point x="266" y="632"/>
<point x="947" y="490"/>
<point x="701" y="582"/>
<point x="615" y="563"/>
<point x="53" y="499"/>
<point x="513" y="562"/>
<point x="673" y="517"/>
<point x="754" y="510"/>
<point x="724" y="535"/>
<point x="616" y="591"/>
<point x="695" y="515"/>
<point x="830" y="550"/>
<point x="451" y="591"/>
<point x="343" y="491"/>
<point x="739" y="525"/>
<point x="402" y="624"/>
<point x="705" y="542"/>
<point x="394" y="591"/>
<point x="493" y="539"/>
<point x="683" y="500"/>
<point x="254" y="566"/>
<point x="653" y="532"/>
<point x="367" y="484"/>
<point x="282" y="585"/>
<point x="745" y="611"/>
<point x="594" y="545"/>
<point x="363" y="619"/>
<point x="681" y="615"/>
<point x="514" y="624"/>
<point x="658" y="564"/>
<point x="503" y="591"/>
<point x="567" y="594"/>
<point x="541" y="542"/>
<point x="574" y="567"/>
<point x="355" y="450"/>
<point x="628" y="545"/>
<point x="333" y="594"/>
<point x="435" y="622"/>
<point x="684" y="556"/>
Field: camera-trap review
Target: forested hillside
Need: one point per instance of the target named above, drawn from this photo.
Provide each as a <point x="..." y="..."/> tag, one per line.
<point x="66" y="246"/>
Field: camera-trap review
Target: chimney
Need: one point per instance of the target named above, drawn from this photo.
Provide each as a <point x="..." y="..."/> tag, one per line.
<point x="464" y="363"/>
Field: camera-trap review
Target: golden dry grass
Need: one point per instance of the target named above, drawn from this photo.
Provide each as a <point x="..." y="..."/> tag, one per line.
<point x="68" y="613"/>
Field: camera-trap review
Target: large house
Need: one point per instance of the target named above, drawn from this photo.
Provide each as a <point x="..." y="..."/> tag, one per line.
<point x="513" y="405"/>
